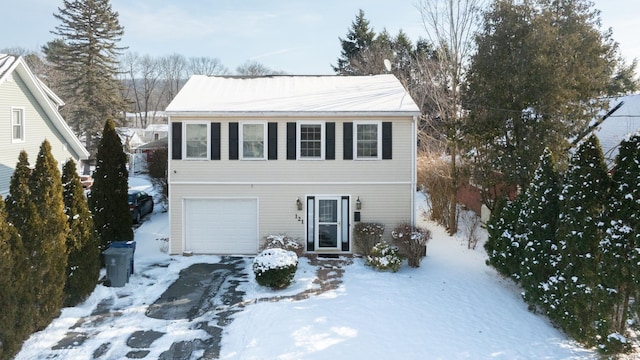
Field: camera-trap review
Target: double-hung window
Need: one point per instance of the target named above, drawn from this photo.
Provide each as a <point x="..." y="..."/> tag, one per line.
<point x="311" y="144"/>
<point x="253" y="135"/>
<point x="196" y="141"/>
<point x="368" y="140"/>
<point x="17" y="124"/>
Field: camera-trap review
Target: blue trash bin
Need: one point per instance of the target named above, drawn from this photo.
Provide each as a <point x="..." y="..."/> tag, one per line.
<point x="126" y="244"/>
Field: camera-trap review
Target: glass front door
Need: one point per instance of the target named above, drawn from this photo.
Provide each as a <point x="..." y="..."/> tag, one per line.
<point x="328" y="223"/>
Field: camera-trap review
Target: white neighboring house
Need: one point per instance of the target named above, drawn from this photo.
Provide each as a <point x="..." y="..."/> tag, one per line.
<point x="614" y="129"/>
<point x="304" y="155"/>
<point x="130" y="138"/>
<point x="155" y="132"/>
<point x="29" y="115"/>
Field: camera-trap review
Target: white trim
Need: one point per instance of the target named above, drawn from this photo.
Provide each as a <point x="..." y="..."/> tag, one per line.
<point x="185" y="124"/>
<point x="337" y="223"/>
<point x="293" y="114"/>
<point x="414" y="169"/>
<point x="355" y="140"/>
<point x="241" y="140"/>
<point x="22" y="124"/>
<point x="292" y="183"/>
<point x="323" y="135"/>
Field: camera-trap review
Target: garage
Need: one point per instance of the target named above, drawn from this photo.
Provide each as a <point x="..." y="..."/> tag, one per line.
<point x="221" y="226"/>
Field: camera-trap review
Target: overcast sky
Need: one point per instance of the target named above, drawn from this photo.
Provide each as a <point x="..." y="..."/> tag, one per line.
<point x="295" y="36"/>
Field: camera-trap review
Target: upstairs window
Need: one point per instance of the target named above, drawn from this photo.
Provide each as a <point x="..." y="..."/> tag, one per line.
<point x="368" y="141"/>
<point x="196" y="140"/>
<point x="311" y="145"/>
<point x="253" y="141"/>
<point x="17" y="124"/>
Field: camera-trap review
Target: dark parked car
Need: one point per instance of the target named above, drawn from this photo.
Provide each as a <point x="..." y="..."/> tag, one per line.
<point x="140" y="204"/>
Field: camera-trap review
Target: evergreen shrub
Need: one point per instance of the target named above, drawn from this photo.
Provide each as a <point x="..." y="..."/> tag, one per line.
<point x="275" y="268"/>
<point x="411" y="242"/>
<point x="384" y="257"/>
<point x="366" y="236"/>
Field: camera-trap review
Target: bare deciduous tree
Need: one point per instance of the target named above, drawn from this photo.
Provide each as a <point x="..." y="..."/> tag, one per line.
<point x="450" y="26"/>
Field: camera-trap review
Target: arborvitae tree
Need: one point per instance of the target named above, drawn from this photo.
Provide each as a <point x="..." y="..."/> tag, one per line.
<point x="108" y="199"/>
<point x="47" y="236"/>
<point x="619" y="264"/>
<point x="573" y="297"/>
<point x="504" y="251"/>
<point x="9" y="295"/>
<point x="359" y="38"/>
<point x="87" y="54"/>
<point x="83" y="265"/>
<point x="536" y="228"/>
<point x="20" y="212"/>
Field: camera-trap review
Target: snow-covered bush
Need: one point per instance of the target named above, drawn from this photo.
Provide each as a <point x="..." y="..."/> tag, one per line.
<point x="411" y="241"/>
<point x="366" y="236"/>
<point x="384" y="257"/>
<point x="283" y="241"/>
<point x="275" y="268"/>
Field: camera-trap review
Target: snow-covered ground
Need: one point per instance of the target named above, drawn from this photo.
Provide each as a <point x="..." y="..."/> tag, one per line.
<point x="452" y="307"/>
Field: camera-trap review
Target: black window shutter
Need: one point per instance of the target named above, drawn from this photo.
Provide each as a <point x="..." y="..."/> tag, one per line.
<point x="215" y="141"/>
<point x="330" y="141"/>
<point x="386" y="140"/>
<point x="233" y="141"/>
<point x="291" y="141"/>
<point x="272" y="141"/>
<point x="348" y="141"/>
<point x="176" y="141"/>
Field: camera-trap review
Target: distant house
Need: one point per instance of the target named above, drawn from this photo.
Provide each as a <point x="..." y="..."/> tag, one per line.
<point x="130" y="138"/>
<point x="139" y="158"/>
<point x="155" y="132"/>
<point x="247" y="153"/>
<point x="29" y="115"/>
<point x="622" y="122"/>
<point x="139" y="119"/>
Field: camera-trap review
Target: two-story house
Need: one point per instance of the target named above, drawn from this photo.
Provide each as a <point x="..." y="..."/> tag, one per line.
<point x="308" y="156"/>
<point x="29" y="115"/>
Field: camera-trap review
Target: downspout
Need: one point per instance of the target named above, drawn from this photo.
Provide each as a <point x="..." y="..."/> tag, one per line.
<point x="414" y="156"/>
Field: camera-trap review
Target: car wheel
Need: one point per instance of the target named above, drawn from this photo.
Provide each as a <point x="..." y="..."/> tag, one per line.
<point x="136" y="218"/>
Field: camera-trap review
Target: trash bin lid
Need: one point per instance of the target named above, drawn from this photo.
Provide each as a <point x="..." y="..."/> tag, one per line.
<point x="118" y="251"/>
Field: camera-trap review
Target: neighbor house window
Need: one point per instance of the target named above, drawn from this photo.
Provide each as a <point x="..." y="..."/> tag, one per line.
<point x="17" y="124"/>
<point x="311" y="144"/>
<point x="368" y="140"/>
<point x="253" y="137"/>
<point x="196" y="140"/>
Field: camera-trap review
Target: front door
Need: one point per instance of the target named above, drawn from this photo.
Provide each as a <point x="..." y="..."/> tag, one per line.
<point x="328" y="224"/>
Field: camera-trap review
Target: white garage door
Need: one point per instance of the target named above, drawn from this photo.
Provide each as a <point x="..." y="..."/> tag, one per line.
<point x="221" y="226"/>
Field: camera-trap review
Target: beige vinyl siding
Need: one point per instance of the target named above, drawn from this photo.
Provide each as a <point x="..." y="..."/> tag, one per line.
<point x="277" y="212"/>
<point x="14" y="93"/>
<point x="398" y="169"/>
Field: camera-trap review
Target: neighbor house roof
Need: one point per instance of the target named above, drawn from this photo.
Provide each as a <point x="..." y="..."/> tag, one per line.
<point x="45" y="97"/>
<point x="624" y="121"/>
<point x="283" y="94"/>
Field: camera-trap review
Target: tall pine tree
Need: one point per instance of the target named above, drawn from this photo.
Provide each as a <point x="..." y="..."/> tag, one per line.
<point x="47" y="236"/>
<point x="359" y="40"/>
<point x="619" y="264"/>
<point x="108" y="199"/>
<point x="573" y="297"/>
<point x="21" y="212"/>
<point x="536" y="228"/>
<point x="83" y="265"/>
<point x="86" y="52"/>
<point x="502" y="248"/>
<point x="9" y="295"/>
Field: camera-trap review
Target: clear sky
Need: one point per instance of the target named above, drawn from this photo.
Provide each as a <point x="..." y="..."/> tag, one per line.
<point x="295" y="36"/>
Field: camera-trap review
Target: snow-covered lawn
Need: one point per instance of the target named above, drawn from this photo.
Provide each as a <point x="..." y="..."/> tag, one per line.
<point x="452" y="307"/>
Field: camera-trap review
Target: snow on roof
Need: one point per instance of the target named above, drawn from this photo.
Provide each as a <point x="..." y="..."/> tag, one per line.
<point x="157" y="128"/>
<point x="293" y="94"/>
<point x="5" y="63"/>
<point x="625" y="121"/>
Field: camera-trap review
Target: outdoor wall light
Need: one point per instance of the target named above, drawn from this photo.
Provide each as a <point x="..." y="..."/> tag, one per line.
<point x="358" y="203"/>
<point x="299" y="204"/>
